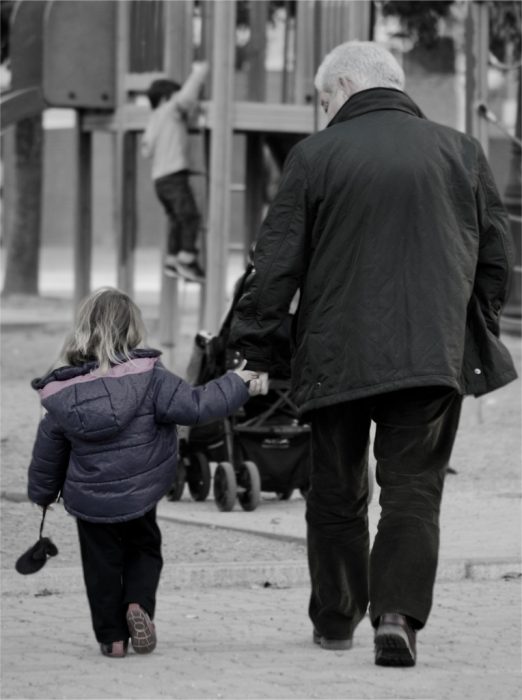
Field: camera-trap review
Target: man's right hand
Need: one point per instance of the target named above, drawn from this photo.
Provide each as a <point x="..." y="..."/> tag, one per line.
<point x="263" y="382"/>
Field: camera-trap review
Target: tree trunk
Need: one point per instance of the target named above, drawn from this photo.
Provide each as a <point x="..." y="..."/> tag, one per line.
<point x="23" y="240"/>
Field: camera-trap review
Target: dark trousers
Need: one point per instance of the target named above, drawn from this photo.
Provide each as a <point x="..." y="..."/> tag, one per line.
<point x="175" y="194"/>
<point x="121" y="565"/>
<point x="415" y="432"/>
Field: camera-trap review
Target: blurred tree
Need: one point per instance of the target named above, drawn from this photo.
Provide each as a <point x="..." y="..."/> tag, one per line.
<point x="419" y="19"/>
<point x="243" y="10"/>
<point x="23" y="235"/>
<point x="505" y="21"/>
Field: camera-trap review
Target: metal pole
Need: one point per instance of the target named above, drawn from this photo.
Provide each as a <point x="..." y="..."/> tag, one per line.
<point x="477" y="52"/>
<point x="124" y="250"/>
<point x="220" y="162"/>
<point x="178" y="58"/>
<point x="83" y="228"/>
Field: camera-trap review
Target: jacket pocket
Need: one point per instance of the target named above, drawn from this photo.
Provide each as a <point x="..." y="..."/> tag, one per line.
<point x="487" y="364"/>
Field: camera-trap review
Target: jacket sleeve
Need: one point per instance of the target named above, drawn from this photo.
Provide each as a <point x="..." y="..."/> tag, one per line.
<point x="495" y="257"/>
<point x="176" y="401"/>
<point x="280" y="261"/>
<point x="49" y="462"/>
<point x="186" y="98"/>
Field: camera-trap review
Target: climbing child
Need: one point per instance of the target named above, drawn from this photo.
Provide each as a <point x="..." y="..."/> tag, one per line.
<point x="107" y="444"/>
<point x="166" y="142"/>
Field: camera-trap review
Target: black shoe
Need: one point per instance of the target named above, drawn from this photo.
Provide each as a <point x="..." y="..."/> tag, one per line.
<point x="331" y="644"/>
<point x="395" y="641"/>
<point x="189" y="271"/>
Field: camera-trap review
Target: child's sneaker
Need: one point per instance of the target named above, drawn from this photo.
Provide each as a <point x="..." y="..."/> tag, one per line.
<point x="190" y="271"/>
<point x="170" y="270"/>
<point x="184" y="265"/>
<point x="117" y="650"/>
<point x="141" y="629"/>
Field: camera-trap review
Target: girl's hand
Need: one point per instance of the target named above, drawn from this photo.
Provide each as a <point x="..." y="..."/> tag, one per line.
<point x="250" y="378"/>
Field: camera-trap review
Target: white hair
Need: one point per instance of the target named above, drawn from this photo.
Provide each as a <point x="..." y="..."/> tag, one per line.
<point x="364" y="64"/>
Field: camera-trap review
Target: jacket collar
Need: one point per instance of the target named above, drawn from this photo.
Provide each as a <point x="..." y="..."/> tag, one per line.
<point x="67" y="372"/>
<point x="373" y="100"/>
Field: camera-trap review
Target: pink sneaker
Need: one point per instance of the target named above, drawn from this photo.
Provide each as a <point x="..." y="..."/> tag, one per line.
<point x="141" y="629"/>
<point x="117" y="650"/>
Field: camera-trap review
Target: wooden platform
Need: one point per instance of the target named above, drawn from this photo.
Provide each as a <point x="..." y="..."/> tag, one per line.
<point x="247" y="117"/>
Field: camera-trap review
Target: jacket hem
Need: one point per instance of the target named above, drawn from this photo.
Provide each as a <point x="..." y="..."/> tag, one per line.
<point x="363" y="392"/>
<point x="111" y="519"/>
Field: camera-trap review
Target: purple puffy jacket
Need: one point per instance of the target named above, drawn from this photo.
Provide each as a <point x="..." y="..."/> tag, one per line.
<point x="109" y="443"/>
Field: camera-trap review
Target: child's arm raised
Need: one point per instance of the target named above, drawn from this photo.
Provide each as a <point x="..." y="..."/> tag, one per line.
<point x="179" y="402"/>
<point x="49" y="463"/>
<point x="187" y="97"/>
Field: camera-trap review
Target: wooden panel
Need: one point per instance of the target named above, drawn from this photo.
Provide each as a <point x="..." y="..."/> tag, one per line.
<point x="26" y="44"/>
<point x="257" y="116"/>
<point x="78" y="54"/>
<point x="246" y="116"/>
<point x="20" y="104"/>
<point x="146" y="36"/>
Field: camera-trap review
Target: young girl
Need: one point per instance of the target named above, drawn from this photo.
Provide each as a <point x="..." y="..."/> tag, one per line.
<point x="108" y="445"/>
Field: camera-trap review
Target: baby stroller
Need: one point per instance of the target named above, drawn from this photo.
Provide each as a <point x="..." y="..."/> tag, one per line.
<point x="264" y="447"/>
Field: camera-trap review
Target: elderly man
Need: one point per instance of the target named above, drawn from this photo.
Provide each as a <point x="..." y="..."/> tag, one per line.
<point x="392" y="229"/>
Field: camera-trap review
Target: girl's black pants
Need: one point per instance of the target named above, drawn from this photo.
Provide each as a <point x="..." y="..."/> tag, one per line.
<point x="121" y="565"/>
<point x="414" y="436"/>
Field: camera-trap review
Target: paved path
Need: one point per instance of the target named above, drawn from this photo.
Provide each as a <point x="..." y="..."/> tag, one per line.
<point x="256" y="643"/>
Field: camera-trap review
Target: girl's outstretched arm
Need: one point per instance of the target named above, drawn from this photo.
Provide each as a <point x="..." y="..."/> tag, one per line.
<point x="177" y="401"/>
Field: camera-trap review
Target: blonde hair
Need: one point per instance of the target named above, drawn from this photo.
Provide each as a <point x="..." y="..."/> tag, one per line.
<point x="364" y="63"/>
<point x="108" y="327"/>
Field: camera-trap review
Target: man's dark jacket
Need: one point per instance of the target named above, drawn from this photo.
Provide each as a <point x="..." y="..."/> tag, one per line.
<point x="392" y="229"/>
<point x="108" y="441"/>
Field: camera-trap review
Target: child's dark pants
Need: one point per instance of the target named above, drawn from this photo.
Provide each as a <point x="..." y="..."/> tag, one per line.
<point x="415" y="431"/>
<point x="121" y="565"/>
<point x="175" y="194"/>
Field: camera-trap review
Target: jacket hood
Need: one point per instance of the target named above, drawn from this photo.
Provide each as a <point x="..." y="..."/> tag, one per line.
<point x="96" y="406"/>
<point x="373" y="100"/>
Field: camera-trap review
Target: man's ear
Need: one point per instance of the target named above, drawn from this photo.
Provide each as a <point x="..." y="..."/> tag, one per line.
<point x="346" y="86"/>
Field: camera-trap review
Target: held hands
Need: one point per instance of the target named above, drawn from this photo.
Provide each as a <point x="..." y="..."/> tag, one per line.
<point x="257" y="382"/>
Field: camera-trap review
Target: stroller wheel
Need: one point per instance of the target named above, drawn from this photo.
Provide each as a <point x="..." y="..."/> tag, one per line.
<point x="198" y="476"/>
<point x="176" y="490"/>
<point x="249" y="486"/>
<point x="225" y="486"/>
